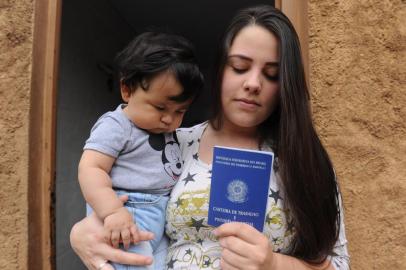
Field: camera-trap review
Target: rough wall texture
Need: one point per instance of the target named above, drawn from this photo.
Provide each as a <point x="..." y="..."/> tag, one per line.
<point x="16" y="18"/>
<point x="358" y="80"/>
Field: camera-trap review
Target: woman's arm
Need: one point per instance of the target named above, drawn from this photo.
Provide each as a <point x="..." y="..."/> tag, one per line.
<point x="89" y="244"/>
<point x="246" y="248"/>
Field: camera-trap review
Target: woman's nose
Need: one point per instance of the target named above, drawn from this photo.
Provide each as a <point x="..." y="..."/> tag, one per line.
<point x="253" y="82"/>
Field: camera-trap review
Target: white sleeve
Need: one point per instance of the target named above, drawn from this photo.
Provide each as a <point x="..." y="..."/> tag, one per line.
<point x="340" y="259"/>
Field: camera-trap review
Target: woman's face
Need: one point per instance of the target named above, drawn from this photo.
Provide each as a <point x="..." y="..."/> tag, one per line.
<point x="249" y="90"/>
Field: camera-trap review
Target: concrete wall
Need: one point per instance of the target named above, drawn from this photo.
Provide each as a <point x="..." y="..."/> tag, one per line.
<point x="16" y="21"/>
<point x="358" y="79"/>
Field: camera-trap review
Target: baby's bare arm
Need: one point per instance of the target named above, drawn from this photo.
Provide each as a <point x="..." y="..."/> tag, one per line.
<point x="95" y="182"/>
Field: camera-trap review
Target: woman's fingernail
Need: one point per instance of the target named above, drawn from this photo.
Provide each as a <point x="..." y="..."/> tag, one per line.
<point x="215" y="232"/>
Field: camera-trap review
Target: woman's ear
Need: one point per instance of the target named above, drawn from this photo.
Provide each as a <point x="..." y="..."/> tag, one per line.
<point x="125" y="92"/>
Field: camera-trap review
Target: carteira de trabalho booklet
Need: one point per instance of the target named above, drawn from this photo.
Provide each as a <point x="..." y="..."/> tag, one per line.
<point x="239" y="186"/>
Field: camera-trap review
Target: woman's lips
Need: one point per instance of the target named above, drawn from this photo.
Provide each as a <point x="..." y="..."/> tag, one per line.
<point x="248" y="104"/>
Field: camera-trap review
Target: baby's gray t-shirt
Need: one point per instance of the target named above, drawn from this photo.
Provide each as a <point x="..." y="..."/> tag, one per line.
<point x="145" y="162"/>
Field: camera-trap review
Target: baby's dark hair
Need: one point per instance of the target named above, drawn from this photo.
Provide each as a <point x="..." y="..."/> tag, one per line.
<point x="152" y="53"/>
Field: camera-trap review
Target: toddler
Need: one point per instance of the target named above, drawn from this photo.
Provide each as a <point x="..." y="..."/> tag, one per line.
<point x="133" y="150"/>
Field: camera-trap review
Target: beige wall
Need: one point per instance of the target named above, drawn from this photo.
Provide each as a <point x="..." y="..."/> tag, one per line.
<point x="358" y="80"/>
<point x="357" y="73"/>
<point x="16" y="18"/>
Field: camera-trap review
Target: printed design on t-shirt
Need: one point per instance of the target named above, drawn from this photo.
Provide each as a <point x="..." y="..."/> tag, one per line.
<point x="187" y="217"/>
<point x="194" y="245"/>
<point x="194" y="257"/>
<point x="278" y="225"/>
<point x="171" y="156"/>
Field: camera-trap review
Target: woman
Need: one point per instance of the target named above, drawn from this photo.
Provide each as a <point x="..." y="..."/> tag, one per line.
<point x="261" y="102"/>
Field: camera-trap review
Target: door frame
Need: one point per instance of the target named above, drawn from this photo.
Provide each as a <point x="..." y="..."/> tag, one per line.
<point x="297" y="11"/>
<point x="42" y="127"/>
<point x="42" y="130"/>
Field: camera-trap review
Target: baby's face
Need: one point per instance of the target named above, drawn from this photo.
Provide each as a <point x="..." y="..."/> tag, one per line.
<point x="153" y="109"/>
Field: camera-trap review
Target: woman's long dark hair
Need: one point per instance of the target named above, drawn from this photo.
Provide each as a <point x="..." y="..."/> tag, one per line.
<point x="308" y="178"/>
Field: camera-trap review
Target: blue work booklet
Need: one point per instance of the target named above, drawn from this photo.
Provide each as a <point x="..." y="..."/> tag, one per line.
<point x="239" y="186"/>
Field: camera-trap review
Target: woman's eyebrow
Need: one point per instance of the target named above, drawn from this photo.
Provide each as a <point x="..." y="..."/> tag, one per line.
<point x="242" y="57"/>
<point x="246" y="58"/>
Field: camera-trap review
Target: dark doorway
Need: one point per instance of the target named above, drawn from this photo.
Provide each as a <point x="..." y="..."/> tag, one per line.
<point x="93" y="31"/>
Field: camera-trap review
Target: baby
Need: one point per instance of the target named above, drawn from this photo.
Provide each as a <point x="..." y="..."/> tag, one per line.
<point x="133" y="150"/>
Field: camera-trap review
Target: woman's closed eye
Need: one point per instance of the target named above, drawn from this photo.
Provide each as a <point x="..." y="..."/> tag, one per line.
<point x="271" y="73"/>
<point x="239" y="70"/>
<point x="238" y="65"/>
<point x="272" y="77"/>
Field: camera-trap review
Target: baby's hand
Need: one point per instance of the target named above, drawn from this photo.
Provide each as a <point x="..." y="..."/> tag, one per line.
<point x="120" y="225"/>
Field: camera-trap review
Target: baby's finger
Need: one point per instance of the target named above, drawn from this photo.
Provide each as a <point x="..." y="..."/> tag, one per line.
<point x="115" y="238"/>
<point x="126" y="237"/>
<point x="123" y="198"/>
<point x="135" y="234"/>
<point x="107" y="236"/>
<point x="145" y="235"/>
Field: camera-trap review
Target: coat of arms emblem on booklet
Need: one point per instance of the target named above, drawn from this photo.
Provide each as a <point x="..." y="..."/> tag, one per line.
<point x="239" y="186"/>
